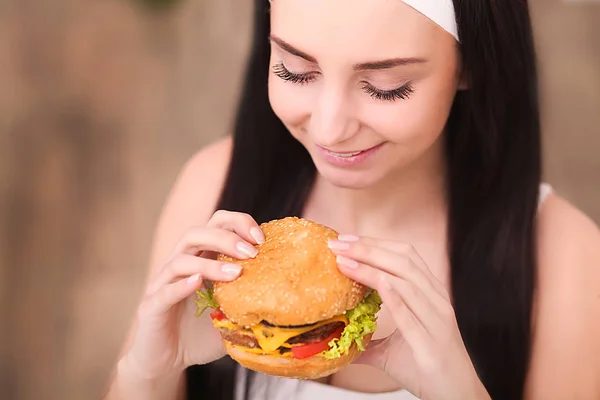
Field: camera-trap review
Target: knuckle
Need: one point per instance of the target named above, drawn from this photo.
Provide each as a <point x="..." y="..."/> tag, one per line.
<point x="220" y="214"/>
<point x="190" y="235"/>
<point x="386" y="284"/>
<point x="409" y="289"/>
<point x="199" y="264"/>
<point x="152" y="288"/>
<point x="243" y="218"/>
<point x="405" y="263"/>
<point x="146" y="307"/>
<point x="194" y="233"/>
<point x="247" y="217"/>
<point x="404" y="247"/>
<point x="174" y="263"/>
<point x="195" y="239"/>
<point x="361" y="250"/>
<point x="161" y="268"/>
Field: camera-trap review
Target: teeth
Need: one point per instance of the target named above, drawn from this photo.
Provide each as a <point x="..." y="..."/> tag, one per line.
<point x="346" y="154"/>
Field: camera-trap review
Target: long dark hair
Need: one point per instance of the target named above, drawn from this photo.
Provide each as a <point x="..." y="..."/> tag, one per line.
<point x="494" y="166"/>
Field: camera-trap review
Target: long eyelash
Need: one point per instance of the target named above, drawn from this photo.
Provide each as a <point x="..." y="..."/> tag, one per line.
<point x="281" y="71"/>
<point x="402" y="93"/>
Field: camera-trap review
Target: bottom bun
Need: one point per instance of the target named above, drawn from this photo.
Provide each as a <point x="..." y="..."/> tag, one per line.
<point x="314" y="367"/>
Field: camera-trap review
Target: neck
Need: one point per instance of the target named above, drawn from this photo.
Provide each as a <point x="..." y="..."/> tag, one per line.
<point x="413" y="198"/>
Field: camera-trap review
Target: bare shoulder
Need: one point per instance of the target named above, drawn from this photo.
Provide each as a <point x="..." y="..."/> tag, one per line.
<point x="200" y="181"/>
<point x="566" y="236"/>
<point x="194" y="196"/>
<point x="566" y="348"/>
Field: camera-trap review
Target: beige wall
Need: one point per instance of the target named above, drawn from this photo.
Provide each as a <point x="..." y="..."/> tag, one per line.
<point x="568" y="41"/>
<point x="101" y="104"/>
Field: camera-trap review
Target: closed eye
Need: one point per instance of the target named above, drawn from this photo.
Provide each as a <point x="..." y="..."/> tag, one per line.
<point x="282" y="72"/>
<point x="401" y="93"/>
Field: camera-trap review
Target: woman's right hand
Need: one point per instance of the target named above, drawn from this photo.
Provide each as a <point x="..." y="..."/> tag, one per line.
<point x="168" y="336"/>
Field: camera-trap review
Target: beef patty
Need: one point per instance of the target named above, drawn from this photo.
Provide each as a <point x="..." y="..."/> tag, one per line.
<point x="239" y="338"/>
<point x="316" y="335"/>
<point x="246" y="339"/>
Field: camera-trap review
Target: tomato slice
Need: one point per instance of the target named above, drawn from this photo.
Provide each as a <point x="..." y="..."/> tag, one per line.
<point x="218" y="315"/>
<point x="310" y="349"/>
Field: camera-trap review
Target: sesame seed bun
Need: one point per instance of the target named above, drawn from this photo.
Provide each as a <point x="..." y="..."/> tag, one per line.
<point x="294" y="280"/>
<point x="314" y="367"/>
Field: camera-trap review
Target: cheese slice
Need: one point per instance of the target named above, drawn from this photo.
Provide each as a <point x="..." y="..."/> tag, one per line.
<point x="261" y="351"/>
<point x="227" y="324"/>
<point x="270" y="338"/>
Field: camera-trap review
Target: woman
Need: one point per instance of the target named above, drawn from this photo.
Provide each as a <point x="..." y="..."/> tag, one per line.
<point x="398" y="122"/>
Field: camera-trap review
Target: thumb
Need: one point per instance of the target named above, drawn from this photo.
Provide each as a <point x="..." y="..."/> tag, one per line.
<point x="375" y="354"/>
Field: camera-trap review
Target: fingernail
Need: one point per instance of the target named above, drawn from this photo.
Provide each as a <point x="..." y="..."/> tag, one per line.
<point x="246" y="249"/>
<point x="346" y="262"/>
<point x="338" y="245"/>
<point x="193" y="278"/>
<point x="258" y="235"/>
<point x="348" y="238"/>
<point x="231" y="269"/>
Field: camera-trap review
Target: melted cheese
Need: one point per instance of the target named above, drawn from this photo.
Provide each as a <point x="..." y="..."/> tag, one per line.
<point x="261" y="351"/>
<point x="226" y="324"/>
<point x="270" y="338"/>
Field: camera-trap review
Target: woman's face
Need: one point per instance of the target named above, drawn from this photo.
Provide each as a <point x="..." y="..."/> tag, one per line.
<point x="365" y="85"/>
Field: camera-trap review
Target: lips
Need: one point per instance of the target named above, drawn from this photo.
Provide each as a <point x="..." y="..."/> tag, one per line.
<point x="354" y="153"/>
<point x="348" y="158"/>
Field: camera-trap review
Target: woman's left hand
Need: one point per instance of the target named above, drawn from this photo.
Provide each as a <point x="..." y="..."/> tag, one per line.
<point x="438" y="366"/>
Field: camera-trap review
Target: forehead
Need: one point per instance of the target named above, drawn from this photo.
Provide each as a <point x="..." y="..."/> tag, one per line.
<point x="355" y="28"/>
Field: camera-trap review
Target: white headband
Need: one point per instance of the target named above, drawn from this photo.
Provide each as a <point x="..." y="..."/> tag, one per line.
<point x="439" y="11"/>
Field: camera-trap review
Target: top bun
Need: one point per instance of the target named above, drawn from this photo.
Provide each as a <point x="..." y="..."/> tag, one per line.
<point x="294" y="279"/>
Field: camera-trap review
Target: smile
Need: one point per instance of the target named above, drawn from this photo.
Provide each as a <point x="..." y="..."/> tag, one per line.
<point x="348" y="158"/>
<point x="346" y="154"/>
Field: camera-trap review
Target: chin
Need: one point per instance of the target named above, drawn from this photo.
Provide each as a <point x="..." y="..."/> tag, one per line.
<point x="346" y="182"/>
<point x="350" y="179"/>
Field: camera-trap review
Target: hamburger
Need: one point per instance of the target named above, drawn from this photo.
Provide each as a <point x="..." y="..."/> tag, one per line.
<point x="291" y="313"/>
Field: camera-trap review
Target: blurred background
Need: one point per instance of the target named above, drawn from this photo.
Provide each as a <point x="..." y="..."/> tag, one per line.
<point x="101" y="103"/>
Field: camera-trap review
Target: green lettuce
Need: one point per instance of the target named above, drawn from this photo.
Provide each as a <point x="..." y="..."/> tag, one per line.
<point x="205" y="300"/>
<point x="361" y="322"/>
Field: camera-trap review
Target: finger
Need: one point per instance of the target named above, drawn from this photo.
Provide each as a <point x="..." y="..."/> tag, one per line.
<point x="185" y="265"/>
<point x="408" y="250"/>
<point x="404" y="293"/>
<point x="169" y="295"/>
<point x="406" y="320"/>
<point x="396" y="264"/>
<point x="200" y="239"/>
<point x="241" y="223"/>
<point x="422" y="343"/>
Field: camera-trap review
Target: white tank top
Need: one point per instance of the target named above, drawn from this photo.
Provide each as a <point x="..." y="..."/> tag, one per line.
<point x="266" y="387"/>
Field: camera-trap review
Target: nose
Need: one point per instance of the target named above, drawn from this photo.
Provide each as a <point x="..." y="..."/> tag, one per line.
<point x="332" y="121"/>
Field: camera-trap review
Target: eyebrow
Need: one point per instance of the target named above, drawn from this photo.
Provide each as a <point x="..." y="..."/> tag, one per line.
<point x="371" y="65"/>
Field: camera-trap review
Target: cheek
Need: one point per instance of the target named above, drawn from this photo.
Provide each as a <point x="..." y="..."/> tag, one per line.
<point x="291" y="103"/>
<point x="418" y="120"/>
